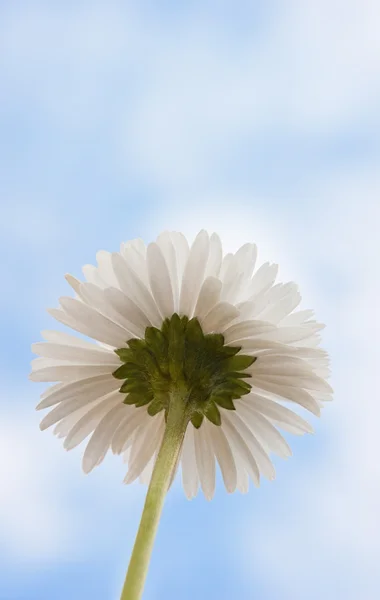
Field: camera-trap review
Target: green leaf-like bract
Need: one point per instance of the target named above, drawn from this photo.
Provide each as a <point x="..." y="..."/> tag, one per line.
<point x="181" y="355"/>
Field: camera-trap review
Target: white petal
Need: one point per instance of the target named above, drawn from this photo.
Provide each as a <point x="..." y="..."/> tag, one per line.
<point x="146" y="474"/>
<point x="71" y="405"/>
<point x="262" y="459"/>
<point x="133" y="287"/>
<point x="289" y="428"/>
<point x="219" y="317"/>
<point x="294" y="394"/>
<point x="227" y="259"/>
<point x="281" y="364"/>
<point x="93" y="356"/>
<point x="105" y="268"/>
<point x="100" y="440"/>
<point x="61" y="337"/>
<point x="92" y="275"/>
<point x="246" y="257"/>
<point x="264" y="430"/>
<point x="233" y="272"/>
<point x="164" y="241"/>
<point x="205" y="462"/>
<point x="97" y="299"/>
<point x="146" y="444"/>
<point x="135" y="255"/>
<point x="127" y="427"/>
<point x="160" y="282"/>
<point x="297" y="318"/>
<point x="286" y="335"/>
<point x="240" y="447"/>
<point x="52" y="389"/>
<point x="276" y="412"/>
<point x="193" y="274"/>
<point x="231" y="291"/>
<point x="73" y="282"/>
<point x="189" y="467"/>
<point x="256" y="345"/>
<point x="92" y="388"/>
<point x="65" y="425"/>
<point x="246" y="329"/>
<point x="295" y="377"/>
<point x="182" y="250"/>
<point x="215" y="257"/>
<point x="85" y="424"/>
<point x="238" y="273"/>
<point x="208" y="297"/>
<point x="128" y="445"/>
<point x="137" y="245"/>
<point x="284" y="307"/>
<point x="263" y="279"/>
<point x="136" y="319"/>
<point x="90" y="322"/>
<point x="67" y="372"/>
<point x="223" y="455"/>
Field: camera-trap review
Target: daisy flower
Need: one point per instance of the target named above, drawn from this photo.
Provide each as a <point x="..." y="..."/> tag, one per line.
<point x="198" y="358"/>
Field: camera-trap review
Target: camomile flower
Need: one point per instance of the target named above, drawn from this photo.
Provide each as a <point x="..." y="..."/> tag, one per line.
<point x="198" y="359"/>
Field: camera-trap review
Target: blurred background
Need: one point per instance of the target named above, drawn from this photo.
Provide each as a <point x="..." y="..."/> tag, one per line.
<point x="259" y="120"/>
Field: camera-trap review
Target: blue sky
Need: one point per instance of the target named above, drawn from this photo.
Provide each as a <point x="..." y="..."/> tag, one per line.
<point x="257" y="120"/>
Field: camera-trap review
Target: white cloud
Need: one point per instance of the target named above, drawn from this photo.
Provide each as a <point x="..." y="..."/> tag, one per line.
<point x="313" y="73"/>
<point x="192" y="90"/>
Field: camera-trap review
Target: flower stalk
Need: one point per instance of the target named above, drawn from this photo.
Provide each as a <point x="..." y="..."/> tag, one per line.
<point x="178" y="417"/>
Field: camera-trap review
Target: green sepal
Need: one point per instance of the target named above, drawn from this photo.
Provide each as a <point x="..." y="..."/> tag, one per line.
<point x="155" y="407"/>
<point x="213" y="341"/>
<point x="133" y="398"/>
<point x="125" y="354"/>
<point x="233" y="387"/>
<point x="165" y="328"/>
<point x="122" y="372"/>
<point x="194" y="333"/>
<point x="236" y="375"/>
<point x="137" y="386"/>
<point x="138" y="379"/>
<point x="132" y="370"/>
<point x="158" y="344"/>
<point x="197" y="419"/>
<point x="143" y="401"/>
<point x="136" y="344"/>
<point x="156" y="339"/>
<point x="225" y="401"/>
<point x="239" y="384"/>
<point x="184" y="321"/>
<point x="228" y="351"/>
<point x="239" y="362"/>
<point x="211" y="411"/>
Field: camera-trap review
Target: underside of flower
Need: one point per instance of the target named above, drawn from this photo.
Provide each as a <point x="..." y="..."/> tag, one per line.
<point x="175" y="322"/>
<point x="180" y="357"/>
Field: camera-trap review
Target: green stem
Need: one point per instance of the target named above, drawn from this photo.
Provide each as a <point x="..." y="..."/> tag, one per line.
<point x="177" y="421"/>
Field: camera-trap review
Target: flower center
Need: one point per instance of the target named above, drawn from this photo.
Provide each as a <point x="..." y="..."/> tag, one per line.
<point x="179" y="356"/>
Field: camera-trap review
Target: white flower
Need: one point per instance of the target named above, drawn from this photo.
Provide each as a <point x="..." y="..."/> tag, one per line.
<point x="142" y="286"/>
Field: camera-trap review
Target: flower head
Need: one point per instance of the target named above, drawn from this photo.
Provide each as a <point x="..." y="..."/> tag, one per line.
<point x="167" y="319"/>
